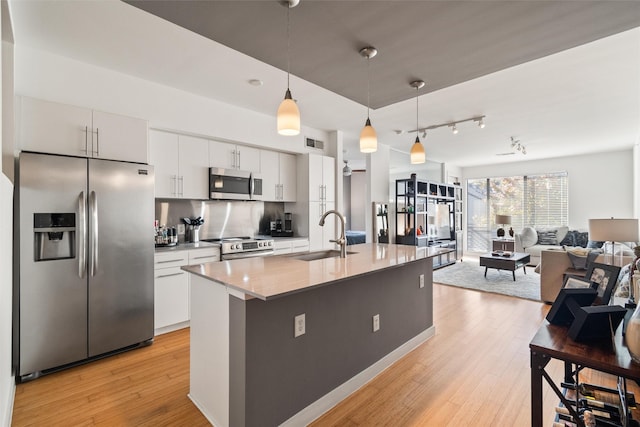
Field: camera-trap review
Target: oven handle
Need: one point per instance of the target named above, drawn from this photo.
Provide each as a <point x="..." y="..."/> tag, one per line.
<point x="228" y="257"/>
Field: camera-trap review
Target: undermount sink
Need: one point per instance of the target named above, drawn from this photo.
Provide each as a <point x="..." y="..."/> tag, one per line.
<point x="312" y="256"/>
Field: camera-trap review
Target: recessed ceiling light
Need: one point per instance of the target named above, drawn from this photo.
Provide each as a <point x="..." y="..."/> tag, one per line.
<point x="256" y="82"/>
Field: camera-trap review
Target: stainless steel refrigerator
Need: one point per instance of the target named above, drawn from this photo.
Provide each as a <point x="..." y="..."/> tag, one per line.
<point x="85" y="283"/>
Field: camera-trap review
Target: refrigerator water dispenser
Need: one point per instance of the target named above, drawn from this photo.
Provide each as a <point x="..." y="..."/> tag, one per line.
<point x="54" y="236"/>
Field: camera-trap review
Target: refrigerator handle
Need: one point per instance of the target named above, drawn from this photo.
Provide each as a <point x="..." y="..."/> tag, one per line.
<point x="93" y="218"/>
<point x="82" y="235"/>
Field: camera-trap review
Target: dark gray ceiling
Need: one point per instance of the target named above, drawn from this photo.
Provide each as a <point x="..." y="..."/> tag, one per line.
<point x="441" y="42"/>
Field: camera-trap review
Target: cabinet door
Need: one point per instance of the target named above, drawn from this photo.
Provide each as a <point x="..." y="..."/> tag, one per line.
<point x="222" y="155"/>
<point x="50" y="127"/>
<point x="288" y="177"/>
<point x="269" y="161"/>
<point x="163" y="150"/>
<point x="329" y="178"/>
<point x="316" y="184"/>
<point x="117" y="137"/>
<point x="171" y="297"/>
<point x="248" y="159"/>
<point x="193" y="181"/>
<point x="319" y="236"/>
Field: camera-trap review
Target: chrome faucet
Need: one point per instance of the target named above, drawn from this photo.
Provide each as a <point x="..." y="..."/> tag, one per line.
<point x="342" y="241"/>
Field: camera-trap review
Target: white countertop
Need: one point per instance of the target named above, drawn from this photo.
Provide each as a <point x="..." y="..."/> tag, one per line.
<point x="275" y="276"/>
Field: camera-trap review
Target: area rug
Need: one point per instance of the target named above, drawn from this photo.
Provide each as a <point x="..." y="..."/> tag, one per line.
<point x="469" y="274"/>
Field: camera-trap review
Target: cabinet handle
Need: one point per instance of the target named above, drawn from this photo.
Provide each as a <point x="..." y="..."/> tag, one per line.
<point x="86" y="140"/>
<point x="233" y="161"/>
<point x="97" y="142"/>
<point x="238" y="152"/>
<point x="281" y="191"/>
<point x="171" y="260"/>
<point x="169" y="275"/>
<point x="174" y="185"/>
<point x="201" y="257"/>
<point x="181" y="179"/>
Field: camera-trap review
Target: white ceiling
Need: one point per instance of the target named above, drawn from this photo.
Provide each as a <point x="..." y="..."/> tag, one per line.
<point x="582" y="100"/>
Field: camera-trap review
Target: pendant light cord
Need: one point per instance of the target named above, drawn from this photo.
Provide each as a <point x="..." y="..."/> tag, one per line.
<point x="288" y="47"/>
<point x="368" y="85"/>
<point x="417" y="130"/>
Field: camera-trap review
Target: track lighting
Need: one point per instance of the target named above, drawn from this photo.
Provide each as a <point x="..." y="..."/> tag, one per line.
<point x="368" y="136"/>
<point x="453" y="125"/>
<point x="288" y="116"/>
<point x="516" y="145"/>
<point x="424" y="134"/>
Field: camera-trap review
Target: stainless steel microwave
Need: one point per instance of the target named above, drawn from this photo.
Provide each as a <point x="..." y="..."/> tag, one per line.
<point x="233" y="184"/>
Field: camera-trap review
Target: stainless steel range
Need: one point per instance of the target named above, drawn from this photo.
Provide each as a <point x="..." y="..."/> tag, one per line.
<point x="243" y="247"/>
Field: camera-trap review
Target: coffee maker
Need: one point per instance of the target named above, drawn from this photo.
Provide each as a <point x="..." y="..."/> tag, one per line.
<point x="286" y="230"/>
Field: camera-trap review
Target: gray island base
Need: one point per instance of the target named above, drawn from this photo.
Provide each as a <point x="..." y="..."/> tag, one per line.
<point x="248" y="368"/>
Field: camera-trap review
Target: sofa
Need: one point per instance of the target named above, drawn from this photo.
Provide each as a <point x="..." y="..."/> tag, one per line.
<point x="553" y="265"/>
<point x="533" y="242"/>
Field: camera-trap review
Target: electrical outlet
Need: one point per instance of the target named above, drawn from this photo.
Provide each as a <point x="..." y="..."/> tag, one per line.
<point x="180" y="228"/>
<point x="299" y="325"/>
<point x="376" y="323"/>
<point x="422" y="280"/>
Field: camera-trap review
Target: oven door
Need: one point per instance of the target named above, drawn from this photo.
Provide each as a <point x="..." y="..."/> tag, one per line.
<point x="228" y="257"/>
<point x="229" y="184"/>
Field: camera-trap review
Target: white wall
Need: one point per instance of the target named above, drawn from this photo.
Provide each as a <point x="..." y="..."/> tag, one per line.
<point x="7" y="381"/>
<point x="72" y="82"/>
<point x="358" y="201"/>
<point x="600" y="185"/>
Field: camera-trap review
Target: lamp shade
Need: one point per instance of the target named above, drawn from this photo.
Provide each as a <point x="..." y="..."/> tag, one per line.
<point x="614" y="230"/>
<point x="288" y="116"/>
<point x="417" y="153"/>
<point x="368" y="138"/>
<point x="503" y="219"/>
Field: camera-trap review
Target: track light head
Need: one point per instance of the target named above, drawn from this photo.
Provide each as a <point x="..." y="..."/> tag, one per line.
<point x="481" y="123"/>
<point x="454" y="129"/>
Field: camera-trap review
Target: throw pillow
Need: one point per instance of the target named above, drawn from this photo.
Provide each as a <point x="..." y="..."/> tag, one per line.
<point x="528" y="237"/>
<point x="561" y="232"/>
<point x="569" y="239"/>
<point x="547" y="237"/>
<point x="581" y="258"/>
<point x="582" y="238"/>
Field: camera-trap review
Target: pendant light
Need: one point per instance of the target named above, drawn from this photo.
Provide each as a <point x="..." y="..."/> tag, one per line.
<point x="417" y="151"/>
<point x="288" y="116"/>
<point x="346" y="170"/>
<point x="368" y="137"/>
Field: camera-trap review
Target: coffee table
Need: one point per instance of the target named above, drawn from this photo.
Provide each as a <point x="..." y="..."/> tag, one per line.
<point x="499" y="262"/>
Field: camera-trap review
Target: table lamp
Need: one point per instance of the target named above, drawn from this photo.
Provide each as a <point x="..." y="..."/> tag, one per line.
<point x="502" y="220"/>
<point x="613" y="230"/>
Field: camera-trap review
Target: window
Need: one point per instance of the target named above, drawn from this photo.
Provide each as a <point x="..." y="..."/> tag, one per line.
<point x="538" y="201"/>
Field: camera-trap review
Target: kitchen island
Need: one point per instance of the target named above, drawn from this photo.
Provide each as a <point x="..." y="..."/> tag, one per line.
<point x="280" y="340"/>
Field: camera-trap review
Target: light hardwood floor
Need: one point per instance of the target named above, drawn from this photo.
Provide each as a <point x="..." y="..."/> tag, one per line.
<point x="473" y="372"/>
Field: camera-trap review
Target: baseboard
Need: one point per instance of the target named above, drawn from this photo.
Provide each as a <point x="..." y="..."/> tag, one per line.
<point x="337" y="395"/>
<point x="8" y="408"/>
<point x="203" y="412"/>
<point x="171" y="328"/>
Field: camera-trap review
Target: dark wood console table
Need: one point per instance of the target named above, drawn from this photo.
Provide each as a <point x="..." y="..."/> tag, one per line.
<point x="552" y="341"/>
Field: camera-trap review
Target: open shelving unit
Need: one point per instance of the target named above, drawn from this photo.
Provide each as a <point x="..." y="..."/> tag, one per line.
<point x="430" y="214"/>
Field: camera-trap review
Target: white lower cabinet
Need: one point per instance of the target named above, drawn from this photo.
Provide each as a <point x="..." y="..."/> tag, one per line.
<point x="171" y="286"/>
<point x="289" y="246"/>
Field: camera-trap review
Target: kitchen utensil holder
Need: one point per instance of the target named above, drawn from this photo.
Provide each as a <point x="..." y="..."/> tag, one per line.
<point x="193" y="233"/>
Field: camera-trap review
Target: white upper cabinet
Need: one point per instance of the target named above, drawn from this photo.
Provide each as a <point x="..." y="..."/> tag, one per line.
<point x="51" y="127"/>
<point x="181" y="165"/>
<point x="232" y="156"/>
<point x="119" y="137"/>
<point x="279" y="176"/>
<point x="163" y="153"/>
<point x="193" y="160"/>
<point x="322" y="178"/>
<point x="288" y="177"/>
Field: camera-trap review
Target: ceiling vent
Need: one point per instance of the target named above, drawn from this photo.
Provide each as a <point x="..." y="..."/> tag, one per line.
<point x="314" y="143"/>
